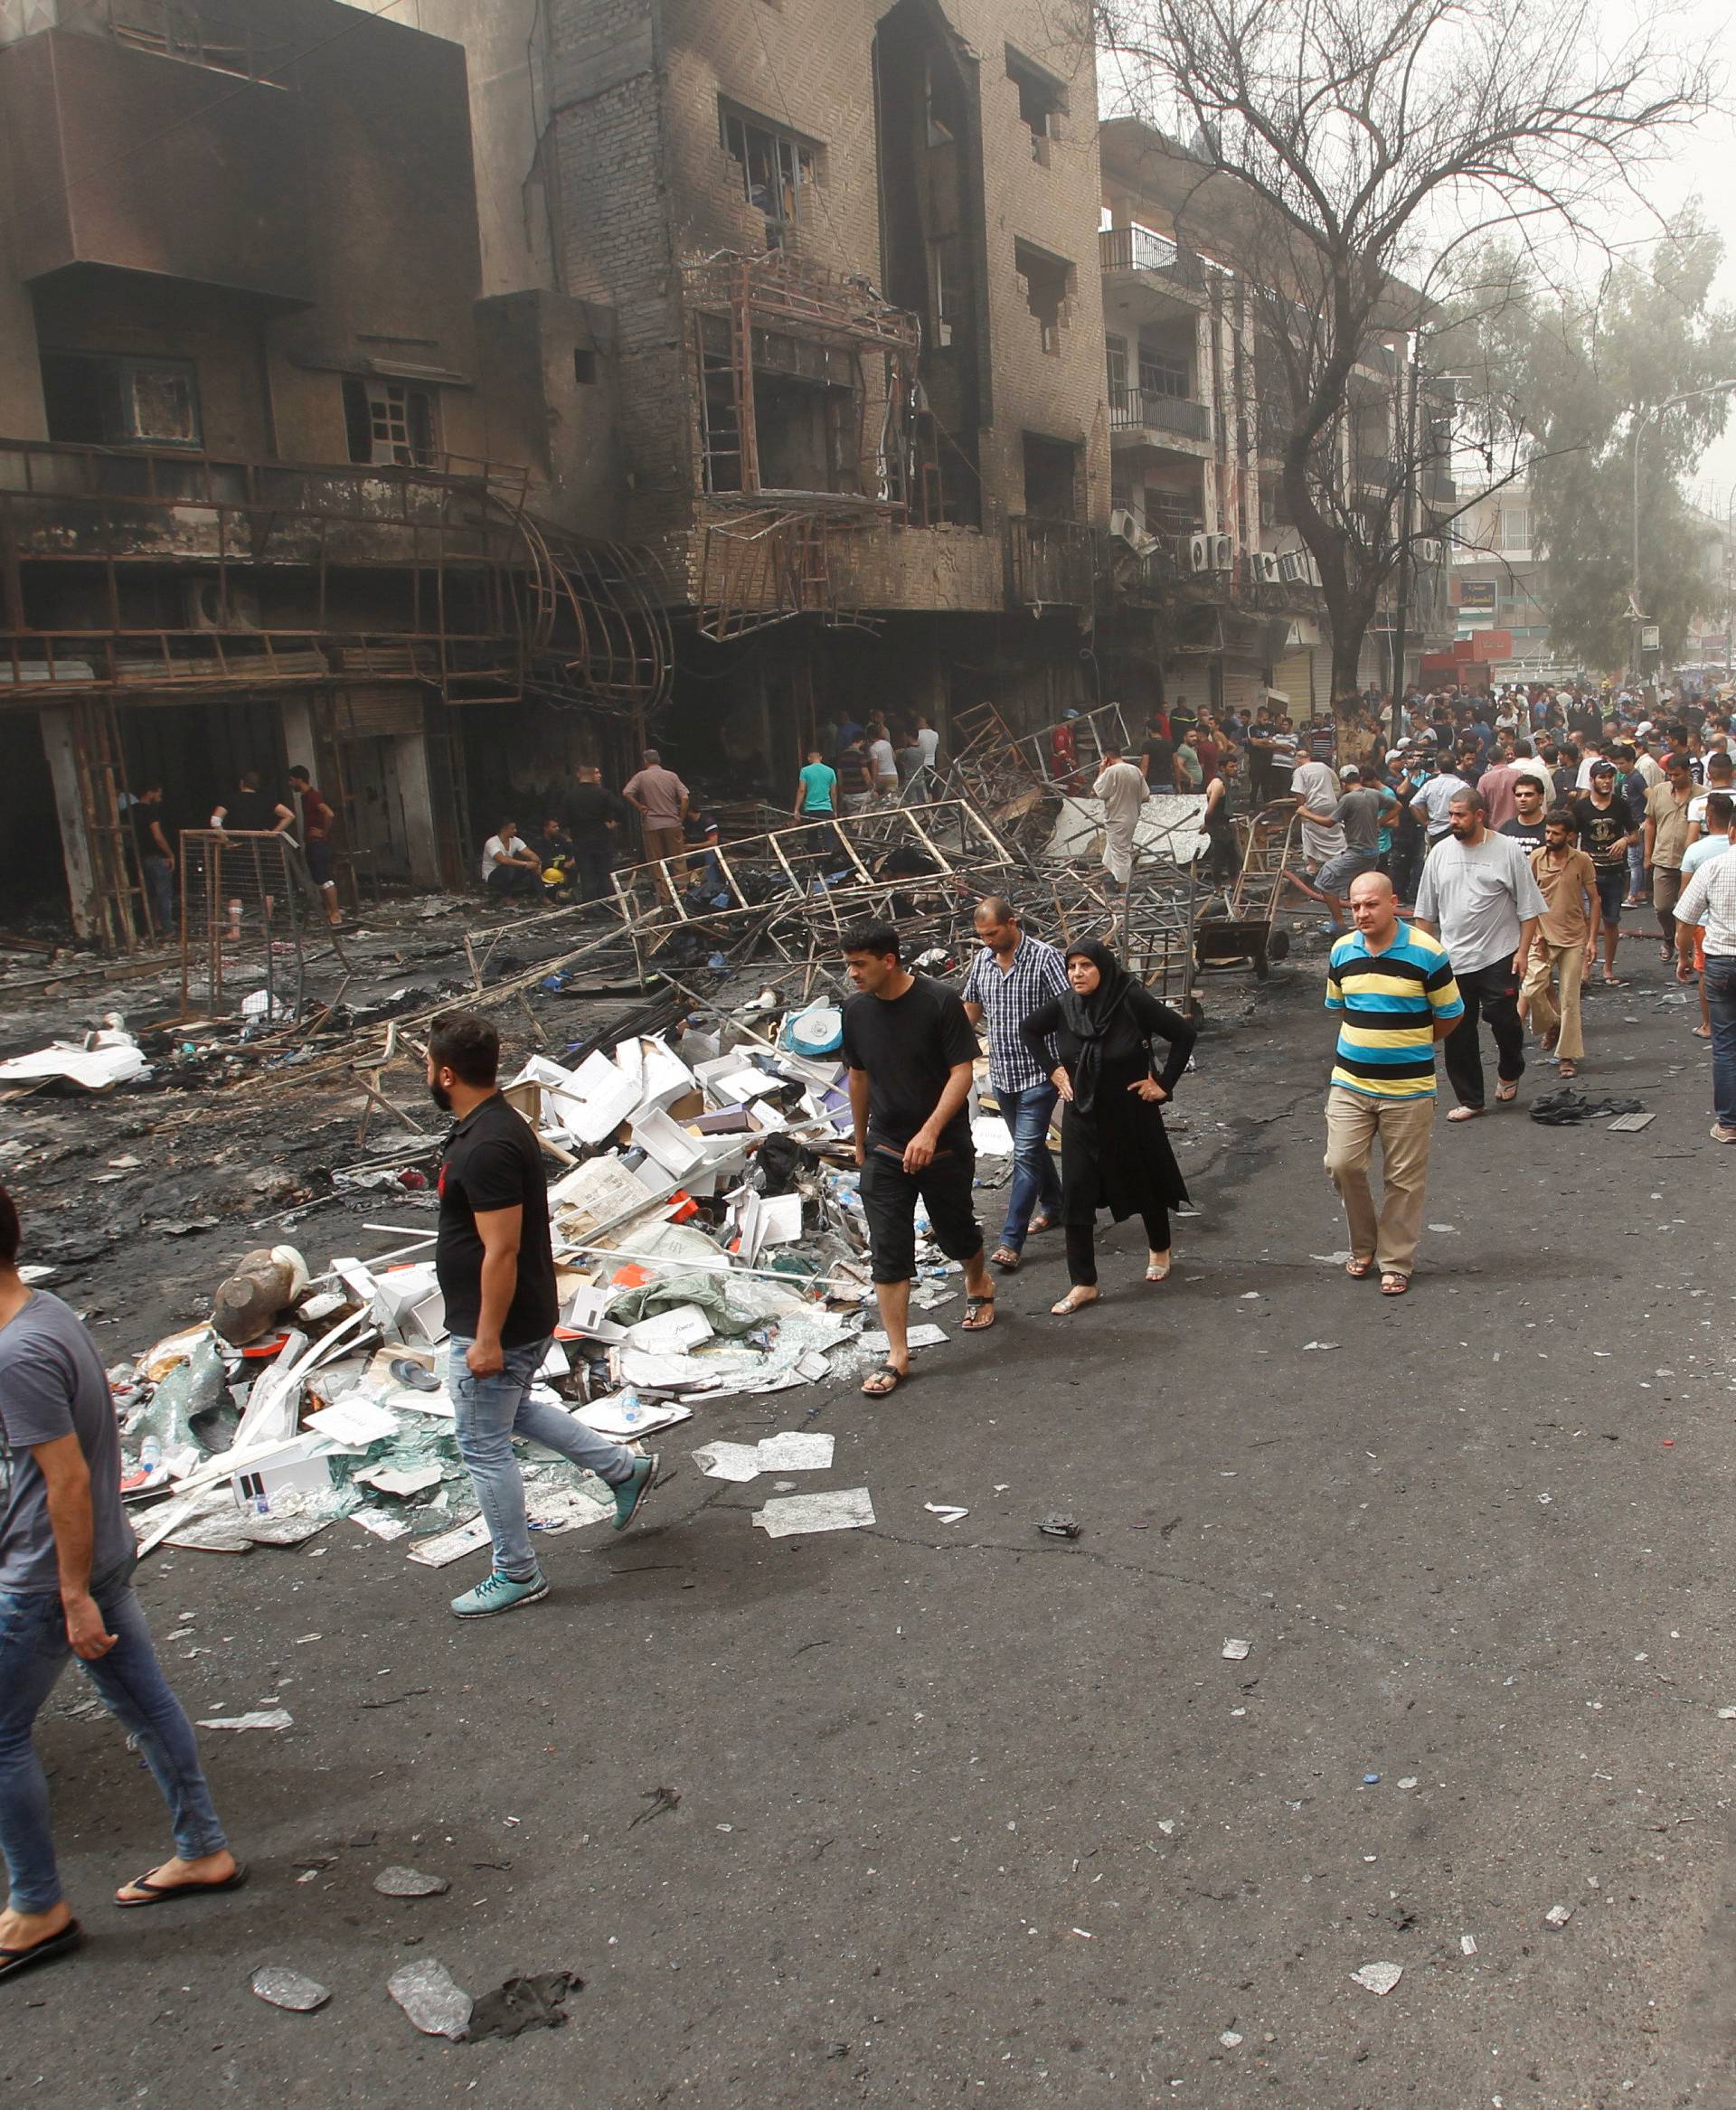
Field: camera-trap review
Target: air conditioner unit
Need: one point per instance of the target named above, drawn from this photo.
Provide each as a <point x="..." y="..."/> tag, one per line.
<point x="1265" y="569"/>
<point x="1292" y="568"/>
<point x="1224" y="551"/>
<point x="1313" y="568"/>
<point x="204" y="606"/>
<point x="1429" y="550"/>
<point x="1122" y="524"/>
<point x="1199" y="551"/>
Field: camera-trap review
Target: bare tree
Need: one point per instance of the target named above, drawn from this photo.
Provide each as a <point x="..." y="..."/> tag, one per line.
<point x="1360" y="148"/>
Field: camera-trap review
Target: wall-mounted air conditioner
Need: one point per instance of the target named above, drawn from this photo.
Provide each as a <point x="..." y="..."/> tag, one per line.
<point x="1199" y="551"/>
<point x="1293" y="567"/>
<point x="1122" y="524"/>
<point x="1429" y="550"/>
<point x="1265" y="569"/>
<point x="1224" y="551"/>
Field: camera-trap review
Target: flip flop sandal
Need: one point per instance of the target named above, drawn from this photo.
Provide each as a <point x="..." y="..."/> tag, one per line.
<point x="1006" y="1259"/>
<point x="161" y="1893"/>
<point x="1157" y="1273"/>
<point x="873" y="1390"/>
<point x="1505" y="1094"/>
<point x="973" y="1306"/>
<point x="1465" y="1113"/>
<point x="1067" y="1309"/>
<point x="13" y="1961"/>
<point x="1395" y="1285"/>
<point x="1042" y="1223"/>
<point x="1358" y="1270"/>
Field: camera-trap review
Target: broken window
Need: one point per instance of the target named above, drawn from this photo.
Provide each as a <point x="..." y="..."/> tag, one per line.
<point x="940" y="103"/>
<point x="1117" y="348"/>
<point x="1043" y="102"/>
<point x="948" y="288"/>
<point x="584" y="366"/>
<point x="1050" y="477"/>
<point x="775" y="167"/>
<point x="1047" y="283"/>
<point x="389" y="422"/>
<point x="96" y="399"/>
<point x="1164" y="373"/>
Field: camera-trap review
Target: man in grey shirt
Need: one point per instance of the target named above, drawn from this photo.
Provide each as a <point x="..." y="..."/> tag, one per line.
<point x="1478" y="896"/>
<point x="66" y="1564"/>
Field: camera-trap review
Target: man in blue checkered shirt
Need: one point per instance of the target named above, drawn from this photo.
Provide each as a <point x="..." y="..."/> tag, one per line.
<point x="1008" y="979"/>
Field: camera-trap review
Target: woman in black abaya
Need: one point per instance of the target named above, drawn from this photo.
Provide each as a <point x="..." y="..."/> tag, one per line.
<point x="1114" y="1151"/>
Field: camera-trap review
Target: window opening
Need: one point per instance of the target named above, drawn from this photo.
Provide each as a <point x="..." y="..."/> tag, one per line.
<point x="1047" y="282"/>
<point x="389" y="423"/>
<point x="1043" y="102"/>
<point x="948" y="289"/>
<point x="99" y="400"/>
<point x="775" y="166"/>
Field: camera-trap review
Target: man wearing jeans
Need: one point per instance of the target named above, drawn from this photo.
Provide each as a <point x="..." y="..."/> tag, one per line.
<point x="1708" y="903"/>
<point x="495" y="1267"/>
<point x="1008" y="979"/>
<point x="1479" y="897"/>
<point x="67" y="1554"/>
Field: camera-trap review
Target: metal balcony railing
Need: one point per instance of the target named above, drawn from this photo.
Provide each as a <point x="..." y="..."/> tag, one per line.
<point x="1050" y="561"/>
<point x="1142" y="248"/>
<point x="1140" y="409"/>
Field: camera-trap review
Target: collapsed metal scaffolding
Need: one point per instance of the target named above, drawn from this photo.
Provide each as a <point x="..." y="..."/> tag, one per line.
<point x="779" y="321"/>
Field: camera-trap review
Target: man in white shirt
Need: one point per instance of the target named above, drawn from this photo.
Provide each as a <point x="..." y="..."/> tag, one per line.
<point x="1123" y="790"/>
<point x="1707" y="910"/>
<point x="929" y="741"/>
<point x="882" y="761"/>
<point x="1318" y="791"/>
<point x="1432" y="802"/>
<point x="509" y="864"/>
<point x="1478" y="895"/>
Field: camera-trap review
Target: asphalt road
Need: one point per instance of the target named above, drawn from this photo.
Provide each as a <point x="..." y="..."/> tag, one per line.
<point x="971" y="1815"/>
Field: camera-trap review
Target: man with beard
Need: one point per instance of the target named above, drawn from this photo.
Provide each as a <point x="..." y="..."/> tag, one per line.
<point x="495" y="1267"/>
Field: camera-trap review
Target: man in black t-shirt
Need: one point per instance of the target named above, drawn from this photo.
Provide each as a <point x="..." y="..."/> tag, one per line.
<point x="910" y="1050"/>
<point x="248" y="811"/>
<point x="593" y="815"/>
<point x="154" y="839"/>
<point x="1527" y="827"/>
<point x="1157" y="756"/>
<point x="495" y="1268"/>
<point x="1607" y="830"/>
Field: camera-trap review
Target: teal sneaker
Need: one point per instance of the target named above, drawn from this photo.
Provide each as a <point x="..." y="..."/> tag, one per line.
<point x="629" y="1496"/>
<point x="499" y="1593"/>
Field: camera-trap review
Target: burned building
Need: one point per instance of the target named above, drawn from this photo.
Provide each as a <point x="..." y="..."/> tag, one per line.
<point x="278" y="483"/>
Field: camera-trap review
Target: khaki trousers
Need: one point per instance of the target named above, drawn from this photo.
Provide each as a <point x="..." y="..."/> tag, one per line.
<point x="1562" y="968"/>
<point x="1404" y="1130"/>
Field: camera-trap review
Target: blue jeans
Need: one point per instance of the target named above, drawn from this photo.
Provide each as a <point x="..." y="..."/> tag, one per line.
<point x="1720" y="981"/>
<point x="491" y="1412"/>
<point x="1035" y="1184"/>
<point x="33" y="1652"/>
<point x="159" y="881"/>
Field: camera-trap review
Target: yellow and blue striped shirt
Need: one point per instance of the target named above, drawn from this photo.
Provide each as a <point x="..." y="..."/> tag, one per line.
<point x="1390" y="1001"/>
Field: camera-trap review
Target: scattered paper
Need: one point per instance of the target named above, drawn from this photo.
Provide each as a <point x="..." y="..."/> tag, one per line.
<point x="722" y="1461"/>
<point x="790" y="1452"/>
<point x="625" y="1416"/>
<point x="919" y="1337"/>
<point x="382" y="1523"/>
<point x="1468" y="1944"/>
<point x="389" y="1480"/>
<point x="397" y="1883"/>
<point x="554" y="1508"/>
<point x="946" y="1511"/>
<point x="269" y="1718"/>
<point x="848" y="1509"/>
<point x="1558" y="1915"/>
<point x="1235" y="1652"/>
<point x="1379" y="1977"/>
<point x="1308" y="1344"/>
<point x="446" y="1547"/>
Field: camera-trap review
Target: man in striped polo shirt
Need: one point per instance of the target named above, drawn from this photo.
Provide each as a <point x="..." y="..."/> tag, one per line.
<point x="1393" y="985"/>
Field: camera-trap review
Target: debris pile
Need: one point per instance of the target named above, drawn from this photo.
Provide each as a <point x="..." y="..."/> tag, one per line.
<point x="709" y="1244"/>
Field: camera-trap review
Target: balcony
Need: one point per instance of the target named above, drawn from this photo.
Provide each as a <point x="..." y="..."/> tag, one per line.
<point x="1143" y="251"/>
<point x="1275" y="427"/>
<point x="1143" y="412"/>
<point x="1050" y="562"/>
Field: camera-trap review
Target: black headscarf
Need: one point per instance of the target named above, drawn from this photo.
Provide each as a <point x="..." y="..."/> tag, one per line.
<point x="1090" y="1017"/>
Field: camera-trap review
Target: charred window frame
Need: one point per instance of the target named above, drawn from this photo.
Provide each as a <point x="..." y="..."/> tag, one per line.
<point x="98" y="399"/>
<point x="948" y="288"/>
<point x="1042" y="103"/>
<point x="1164" y="373"/>
<point x="390" y="424"/>
<point x="774" y="166"/>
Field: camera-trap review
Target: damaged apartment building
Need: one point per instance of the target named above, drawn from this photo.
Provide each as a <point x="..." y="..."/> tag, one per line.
<point x="278" y="484"/>
<point x="440" y="394"/>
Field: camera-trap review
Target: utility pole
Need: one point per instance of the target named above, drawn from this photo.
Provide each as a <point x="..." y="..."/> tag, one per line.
<point x="1407" y="521"/>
